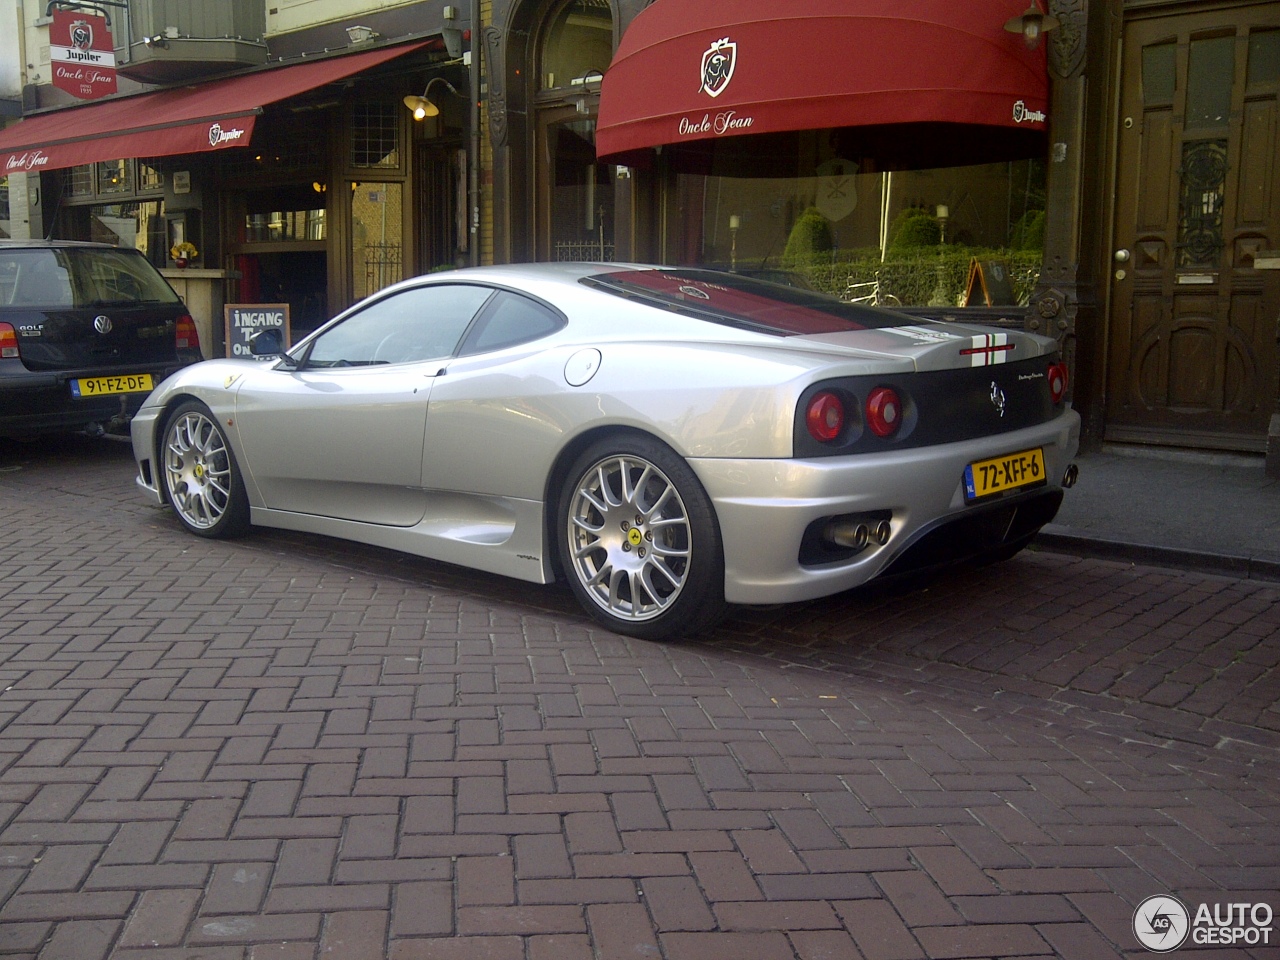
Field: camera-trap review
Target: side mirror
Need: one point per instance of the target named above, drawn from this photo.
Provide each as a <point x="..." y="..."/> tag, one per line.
<point x="267" y="343"/>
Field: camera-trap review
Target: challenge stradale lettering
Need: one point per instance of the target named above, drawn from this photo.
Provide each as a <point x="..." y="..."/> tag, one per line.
<point x="721" y="124"/>
<point x="23" y="162"/>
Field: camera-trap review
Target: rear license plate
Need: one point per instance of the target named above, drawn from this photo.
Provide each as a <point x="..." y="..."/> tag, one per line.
<point x="102" y="386"/>
<point x="1010" y="472"/>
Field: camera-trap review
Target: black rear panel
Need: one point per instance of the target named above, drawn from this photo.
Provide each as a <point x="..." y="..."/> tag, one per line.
<point x="88" y="308"/>
<point x="943" y="406"/>
<point x="70" y="339"/>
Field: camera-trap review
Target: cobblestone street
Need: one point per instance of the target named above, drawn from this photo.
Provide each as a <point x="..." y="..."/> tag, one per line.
<point x="294" y="748"/>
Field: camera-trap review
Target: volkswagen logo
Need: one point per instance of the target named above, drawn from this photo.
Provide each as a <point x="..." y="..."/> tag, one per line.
<point x="102" y="323"/>
<point x="997" y="398"/>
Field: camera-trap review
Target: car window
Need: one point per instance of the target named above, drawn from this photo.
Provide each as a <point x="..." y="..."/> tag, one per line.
<point x="510" y="319"/>
<point x="739" y="301"/>
<point x="419" y="323"/>
<point x="37" y="278"/>
<point x="79" y="277"/>
<point x="117" y="276"/>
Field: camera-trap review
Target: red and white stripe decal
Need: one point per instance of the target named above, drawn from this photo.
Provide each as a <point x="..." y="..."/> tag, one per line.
<point x="988" y="348"/>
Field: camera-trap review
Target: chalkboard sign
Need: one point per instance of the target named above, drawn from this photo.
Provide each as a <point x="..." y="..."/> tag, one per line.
<point x="989" y="284"/>
<point x="243" y="320"/>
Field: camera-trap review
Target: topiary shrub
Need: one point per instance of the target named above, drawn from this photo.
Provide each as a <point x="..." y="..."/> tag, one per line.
<point x="811" y="234"/>
<point x="913" y="228"/>
<point x="1028" y="232"/>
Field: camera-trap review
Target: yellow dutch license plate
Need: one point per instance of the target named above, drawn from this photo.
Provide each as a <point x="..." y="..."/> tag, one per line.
<point x="104" y="386"/>
<point x="1013" y="471"/>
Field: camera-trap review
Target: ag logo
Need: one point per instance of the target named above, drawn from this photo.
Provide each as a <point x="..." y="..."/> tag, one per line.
<point x="1161" y="923"/>
<point x="717" y="66"/>
<point x="81" y="35"/>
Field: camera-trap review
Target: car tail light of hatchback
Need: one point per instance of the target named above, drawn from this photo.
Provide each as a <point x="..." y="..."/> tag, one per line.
<point x="1057" y="382"/>
<point x="185" y="335"/>
<point x="884" y="411"/>
<point x="824" y="416"/>
<point x="8" y="342"/>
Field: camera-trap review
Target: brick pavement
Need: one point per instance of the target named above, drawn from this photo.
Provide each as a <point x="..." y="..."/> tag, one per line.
<point x="291" y="748"/>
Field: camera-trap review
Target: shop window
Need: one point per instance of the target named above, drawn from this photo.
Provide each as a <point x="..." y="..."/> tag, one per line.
<point x="5" y="228"/>
<point x="150" y="175"/>
<point x="80" y="181"/>
<point x="578" y="44"/>
<point x="377" y="236"/>
<point x="114" y="176"/>
<point x="907" y="238"/>
<point x="286" y="214"/>
<point x="375" y="136"/>
<point x="138" y="224"/>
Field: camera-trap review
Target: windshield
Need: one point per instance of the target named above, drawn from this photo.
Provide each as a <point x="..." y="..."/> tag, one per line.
<point x="79" y="277"/>
<point x="744" y="302"/>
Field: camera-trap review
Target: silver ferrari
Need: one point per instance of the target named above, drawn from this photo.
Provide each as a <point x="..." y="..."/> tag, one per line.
<point x="667" y="440"/>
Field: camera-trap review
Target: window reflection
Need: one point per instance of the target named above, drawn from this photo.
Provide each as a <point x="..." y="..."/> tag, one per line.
<point x="906" y="238"/>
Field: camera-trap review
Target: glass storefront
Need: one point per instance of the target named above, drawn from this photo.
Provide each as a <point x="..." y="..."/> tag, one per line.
<point x="956" y="236"/>
<point x="5" y="230"/>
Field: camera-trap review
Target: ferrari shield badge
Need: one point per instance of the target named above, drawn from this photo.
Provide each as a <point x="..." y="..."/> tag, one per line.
<point x="717" y="66"/>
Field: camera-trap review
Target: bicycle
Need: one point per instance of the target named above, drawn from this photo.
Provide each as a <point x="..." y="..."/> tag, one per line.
<point x="868" y="292"/>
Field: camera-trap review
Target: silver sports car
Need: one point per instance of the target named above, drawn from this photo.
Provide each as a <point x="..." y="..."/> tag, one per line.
<point x="668" y="440"/>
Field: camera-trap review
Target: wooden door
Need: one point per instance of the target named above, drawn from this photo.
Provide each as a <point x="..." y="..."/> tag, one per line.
<point x="575" y="194"/>
<point x="1192" y="343"/>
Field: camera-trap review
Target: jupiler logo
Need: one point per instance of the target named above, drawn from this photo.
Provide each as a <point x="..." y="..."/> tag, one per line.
<point x="717" y="66"/>
<point x="81" y="34"/>
<point x="217" y="135"/>
<point x="1022" y="115"/>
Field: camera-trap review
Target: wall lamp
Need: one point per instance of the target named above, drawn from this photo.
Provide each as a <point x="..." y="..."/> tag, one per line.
<point x="361" y="34"/>
<point x="1031" y="23"/>
<point x="584" y="83"/>
<point x="423" y="107"/>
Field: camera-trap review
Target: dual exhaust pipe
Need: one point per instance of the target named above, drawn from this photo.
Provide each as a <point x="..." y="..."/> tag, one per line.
<point x="855" y="535"/>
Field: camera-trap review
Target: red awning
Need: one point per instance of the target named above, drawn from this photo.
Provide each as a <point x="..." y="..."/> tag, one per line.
<point x="694" y="73"/>
<point x="190" y="119"/>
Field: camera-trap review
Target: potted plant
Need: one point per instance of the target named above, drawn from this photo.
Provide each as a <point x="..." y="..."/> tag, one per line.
<point x="183" y="253"/>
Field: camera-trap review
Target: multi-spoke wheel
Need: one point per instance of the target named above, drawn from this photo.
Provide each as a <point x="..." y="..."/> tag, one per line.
<point x="201" y="478"/>
<point x="639" y="540"/>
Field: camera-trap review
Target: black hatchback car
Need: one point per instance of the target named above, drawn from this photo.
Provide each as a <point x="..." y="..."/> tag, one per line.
<point x="86" y="331"/>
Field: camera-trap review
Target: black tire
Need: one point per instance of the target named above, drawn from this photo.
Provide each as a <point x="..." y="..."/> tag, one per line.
<point x="638" y="540"/>
<point x="201" y="478"/>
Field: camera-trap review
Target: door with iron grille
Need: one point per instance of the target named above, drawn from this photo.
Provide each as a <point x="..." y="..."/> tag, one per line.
<point x="1192" y="343"/>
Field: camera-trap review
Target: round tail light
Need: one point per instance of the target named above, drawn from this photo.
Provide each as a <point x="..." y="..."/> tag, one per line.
<point x="1057" y="381"/>
<point x="824" y="416"/>
<point x="884" y="411"/>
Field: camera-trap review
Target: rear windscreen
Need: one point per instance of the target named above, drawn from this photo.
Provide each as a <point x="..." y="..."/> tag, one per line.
<point x="743" y="302"/>
<point x="70" y="277"/>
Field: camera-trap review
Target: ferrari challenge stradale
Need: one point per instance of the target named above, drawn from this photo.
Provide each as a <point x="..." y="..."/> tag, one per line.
<point x="668" y="440"/>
